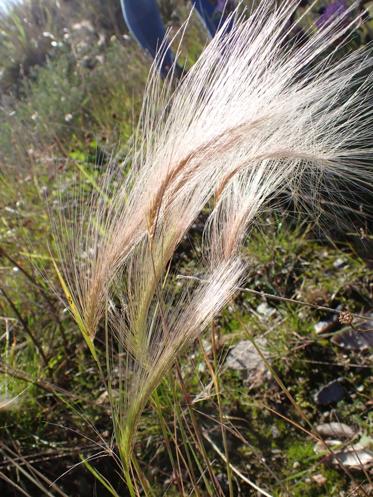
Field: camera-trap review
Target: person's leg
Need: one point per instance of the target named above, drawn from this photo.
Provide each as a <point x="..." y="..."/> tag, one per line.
<point x="144" y="21"/>
<point x="213" y="12"/>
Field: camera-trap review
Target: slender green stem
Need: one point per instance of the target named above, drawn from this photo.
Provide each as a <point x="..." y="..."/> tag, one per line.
<point x="216" y="380"/>
<point x="198" y="434"/>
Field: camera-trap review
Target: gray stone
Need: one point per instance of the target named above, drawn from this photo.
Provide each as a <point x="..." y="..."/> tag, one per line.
<point x="245" y="357"/>
<point x="356" y="338"/>
<point x="355" y="459"/>
<point x="339" y="430"/>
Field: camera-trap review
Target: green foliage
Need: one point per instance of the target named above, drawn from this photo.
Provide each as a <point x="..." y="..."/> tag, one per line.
<point x="60" y="122"/>
<point x="33" y="31"/>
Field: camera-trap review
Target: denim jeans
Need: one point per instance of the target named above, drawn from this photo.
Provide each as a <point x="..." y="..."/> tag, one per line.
<point x="146" y="26"/>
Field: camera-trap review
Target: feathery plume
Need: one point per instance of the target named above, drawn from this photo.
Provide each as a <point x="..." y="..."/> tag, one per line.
<point x="255" y="117"/>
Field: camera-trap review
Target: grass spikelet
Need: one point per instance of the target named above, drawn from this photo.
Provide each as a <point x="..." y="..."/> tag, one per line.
<point x="172" y="329"/>
<point x="257" y="116"/>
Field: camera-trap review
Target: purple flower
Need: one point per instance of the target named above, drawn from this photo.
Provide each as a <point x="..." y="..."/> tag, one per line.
<point x="331" y="12"/>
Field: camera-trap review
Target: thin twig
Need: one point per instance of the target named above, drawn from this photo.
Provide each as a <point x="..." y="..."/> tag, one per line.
<point x="34" y="340"/>
<point x="279" y="298"/>
<point x="43" y="293"/>
<point x="234" y="469"/>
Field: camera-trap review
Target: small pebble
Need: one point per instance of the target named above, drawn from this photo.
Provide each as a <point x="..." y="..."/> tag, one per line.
<point x="319" y="479"/>
<point x="339" y="263"/>
<point x="339" y="430"/>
